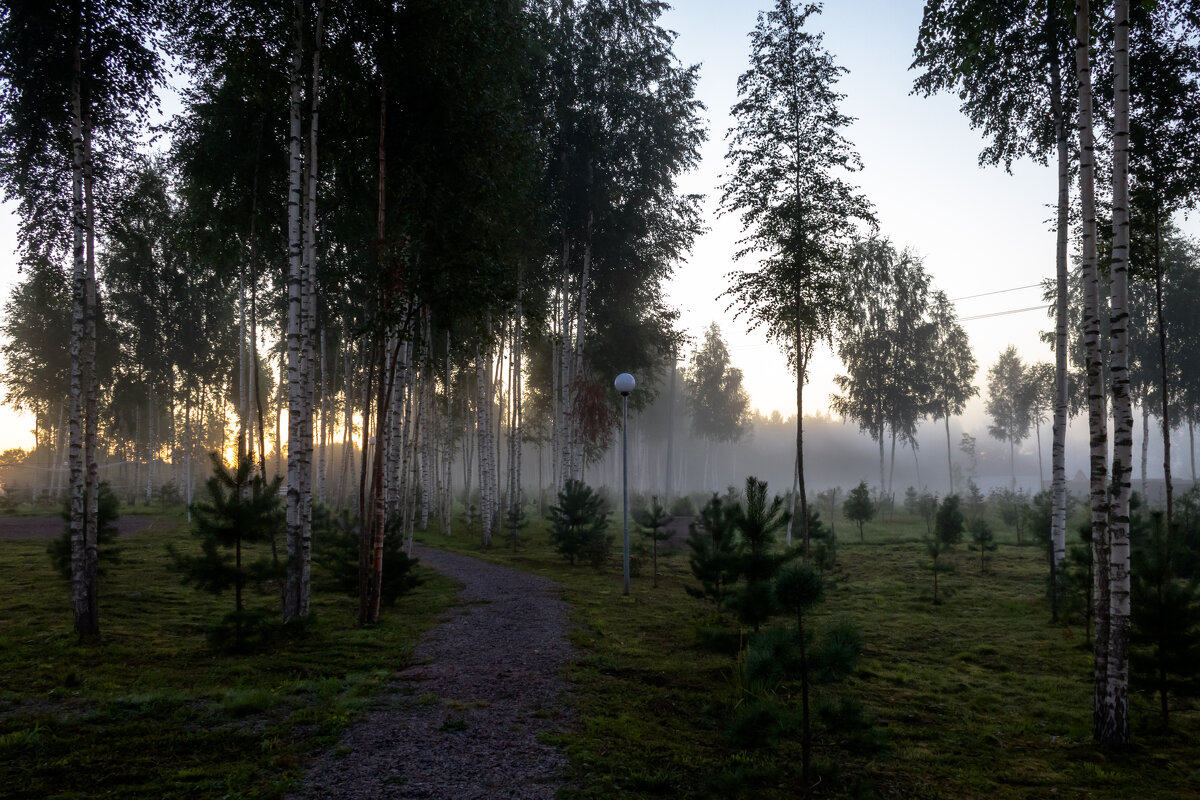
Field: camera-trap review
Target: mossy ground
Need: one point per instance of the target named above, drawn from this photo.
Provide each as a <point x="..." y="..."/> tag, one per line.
<point x="978" y="697"/>
<point x="152" y="709"/>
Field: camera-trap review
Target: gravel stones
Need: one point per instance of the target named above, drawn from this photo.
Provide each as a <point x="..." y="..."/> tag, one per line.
<point x="467" y="716"/>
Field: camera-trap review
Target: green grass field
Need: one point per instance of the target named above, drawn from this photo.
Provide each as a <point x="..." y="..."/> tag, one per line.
<point x="152" y="710"/>
<point x="978" y="697"/>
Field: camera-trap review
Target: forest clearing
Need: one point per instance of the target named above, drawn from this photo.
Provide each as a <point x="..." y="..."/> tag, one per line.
<point x="458" y="398"/>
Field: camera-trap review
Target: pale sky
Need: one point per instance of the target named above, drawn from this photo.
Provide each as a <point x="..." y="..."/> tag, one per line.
<point x="978" y="230"/>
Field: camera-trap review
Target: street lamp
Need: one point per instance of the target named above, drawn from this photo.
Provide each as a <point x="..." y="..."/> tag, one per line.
<point x="625" y="384"/>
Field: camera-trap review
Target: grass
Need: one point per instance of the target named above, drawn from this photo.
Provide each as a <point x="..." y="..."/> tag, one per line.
<point x="152" y="710"/>
<point x="977" y="697"/>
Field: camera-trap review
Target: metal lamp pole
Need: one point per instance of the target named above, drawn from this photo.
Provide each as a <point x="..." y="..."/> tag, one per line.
<point x="625" y="384"/>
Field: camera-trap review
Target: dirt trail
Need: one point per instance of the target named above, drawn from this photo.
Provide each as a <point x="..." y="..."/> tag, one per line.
<point x="49" y="527"/>
<point x="466" y="718"/>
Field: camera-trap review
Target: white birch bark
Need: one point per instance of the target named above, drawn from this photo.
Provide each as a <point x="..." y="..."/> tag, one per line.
<point x="1115" y="731"/>
<point x="1097" y="421"/>
<point x="91" y="413"/>
<point x="295" y="387"/>
<point x="1058" y="465"/>
<point x="79" y="583"/>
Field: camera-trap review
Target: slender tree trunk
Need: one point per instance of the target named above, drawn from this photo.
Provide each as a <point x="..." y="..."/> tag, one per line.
<point x="1037" y="428"/>
<point x="1058" y="468"/>
<point x="295" y="517"/>
<point x="882" y="480"/>
<point x="949" y="453"/>
<point x="669" y="471"/>
<point x="892" y="475"/>
<point x="1192" y="448"/>
<point x="91" y="380"/>
<point x="1164" y="385"/>
<point x="387" y="372"/>
<point x="1145" y="448"/>
<point x="795" y="487"/>
<point x="1012" y="461"/>
<point x="80" y="586"/>
<point x="322" y="456"/>
<point x="1115" y="727"/>
<point x="1097" y="417"/>
<point x="803" y="351"/>
<point x="365" y="517"/>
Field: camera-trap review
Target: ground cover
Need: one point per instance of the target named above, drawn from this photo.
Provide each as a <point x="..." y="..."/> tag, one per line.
<point x="980" y="696"/>
<point x="152" y="710"/>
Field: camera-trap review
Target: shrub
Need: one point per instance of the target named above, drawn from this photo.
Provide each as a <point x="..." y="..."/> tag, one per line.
<point x="335" y="549"/>
<point x="107" y="513"/>
<point x="654" y="521"/>
<point x="578" y="523"/>
<point x="858" y="507"/>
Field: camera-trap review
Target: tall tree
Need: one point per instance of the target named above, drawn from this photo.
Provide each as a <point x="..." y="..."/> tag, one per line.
<point x="1097" y="417"/>
<point x="1009" y="63"/>
<point x="1009" y="403"/>
<point x="717" y="402"/>
<point x="787" y="157"/>
<point x="1114" y="723"/>
<point x="1164" y="165"/>
<point x="886" y="346"/>
<point x="951" y="366"/>
<point x="78" y="81"/>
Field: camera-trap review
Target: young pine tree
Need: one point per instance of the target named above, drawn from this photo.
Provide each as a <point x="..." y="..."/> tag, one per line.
<point x="859" y="508"/>
<point x="983" y="541"/>
<point x="1166" y="618"/>
<point x="107" y="512"/>
<point x="241" y="509"/>
<point x="577" y="525"/>
<point x="715" y="552"/>
<point x="947" y="533"/>
<point x="654" y="521"/>
<point x="758" y="521"/>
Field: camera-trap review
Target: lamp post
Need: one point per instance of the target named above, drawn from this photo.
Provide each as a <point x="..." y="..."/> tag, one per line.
<point x="625" y="384"/>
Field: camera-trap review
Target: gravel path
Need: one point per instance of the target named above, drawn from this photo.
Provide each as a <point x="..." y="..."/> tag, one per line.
<point x="466" y="718"/>
<point x="50" y="527"/>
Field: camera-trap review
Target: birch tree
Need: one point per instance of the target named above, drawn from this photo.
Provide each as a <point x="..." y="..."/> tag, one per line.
<point x="1164" y="167"/>
<point x="1009" y="403"/>
<point x="951" y="366"/>
<point x="1097" y="416"/>
<point x="1009" y="63"/>
<point x="1114" y="722"/>
<point x="789" y="164"/>
<point x="78" y="79"/>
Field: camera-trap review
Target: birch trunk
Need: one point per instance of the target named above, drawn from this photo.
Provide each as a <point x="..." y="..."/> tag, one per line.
<point x="295" y="284"/>
<point x="91" y="413"/>
<point x="1115" y="727"/>
<point x="1058" y="465"/>
<point x="79" y="286"/>
<point x="1097" y="422"/>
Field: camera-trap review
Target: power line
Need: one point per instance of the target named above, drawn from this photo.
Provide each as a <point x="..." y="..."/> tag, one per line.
<point x="1002" y="313"/>
<point x="998" y="291"/>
